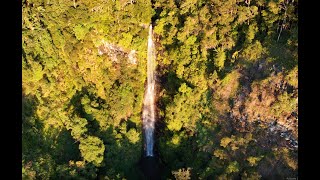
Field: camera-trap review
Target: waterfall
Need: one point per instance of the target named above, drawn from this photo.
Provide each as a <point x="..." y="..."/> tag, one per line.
<point x="148" y="114"/>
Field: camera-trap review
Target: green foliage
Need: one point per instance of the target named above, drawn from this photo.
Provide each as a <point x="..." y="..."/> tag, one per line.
<point x="182" y="174"/>
<point x="252" y="30"/>
<point x="253" y="52"/>
<point x="220" y="59"/>
<point x="80" y="31"/>
<point x="76" y="88"/>
<point x="233" y="167"/>
<point x="77" y="101"/>
<point x="292" y="77"/>
<point x="176" y="140"/>
<point x="253" y="160"/>
<point x="78" y="127"/>
<point x="183" y="113"/>
<point x="225" y="141"/>
<point x="285" y="104"/>
<point x="133" y="136"/>
<point x="123" y="152"/>
<point x="92" y="150"/>
<point x="247" y="13"/>
<point x="219" y="153"/>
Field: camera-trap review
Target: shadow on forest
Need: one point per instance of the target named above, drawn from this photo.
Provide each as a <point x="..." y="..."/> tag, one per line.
<point x="75" y="101"/>
<point x="38" y="142"/>
<point x="190" y="151"/>
<point x="120" y="156"/>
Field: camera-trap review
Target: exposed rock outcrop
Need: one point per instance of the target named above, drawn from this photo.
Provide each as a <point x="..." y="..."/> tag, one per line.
<point x="266" y="97"/>
<point x="116" y="53"/>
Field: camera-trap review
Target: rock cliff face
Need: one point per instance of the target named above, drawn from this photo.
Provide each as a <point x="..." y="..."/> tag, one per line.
<point x="116" y="53"/>
<point x="267" y="97"/>
<point x="264" y="95"/>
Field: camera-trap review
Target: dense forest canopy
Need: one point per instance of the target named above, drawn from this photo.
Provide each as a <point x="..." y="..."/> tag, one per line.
<point x="227" y="88"/>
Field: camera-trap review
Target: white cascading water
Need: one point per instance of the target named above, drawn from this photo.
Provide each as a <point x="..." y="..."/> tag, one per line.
<point x="148" y="114"/>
